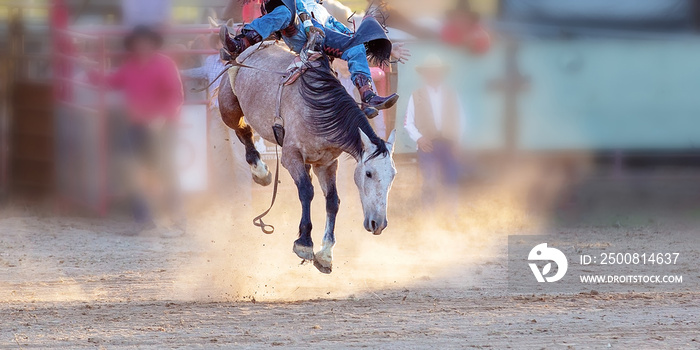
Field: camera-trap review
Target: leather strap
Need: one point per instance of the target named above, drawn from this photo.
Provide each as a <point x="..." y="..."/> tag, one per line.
<point x="258" y="221"/>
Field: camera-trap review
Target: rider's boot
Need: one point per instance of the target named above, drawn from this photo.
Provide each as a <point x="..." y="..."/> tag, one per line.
<point x="235" y="45"/>
<point x="370" y="98"/>
<point x="225" y="55"/>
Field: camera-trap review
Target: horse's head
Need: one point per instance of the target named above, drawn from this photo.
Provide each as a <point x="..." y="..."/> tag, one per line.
<point x="374" y="176"/>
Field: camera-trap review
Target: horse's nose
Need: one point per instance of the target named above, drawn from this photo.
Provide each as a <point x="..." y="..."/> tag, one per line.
<point x="373" y="225"/>
<point x="378" y="228"/>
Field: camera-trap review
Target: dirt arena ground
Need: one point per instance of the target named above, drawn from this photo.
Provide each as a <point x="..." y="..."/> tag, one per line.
<point x="73" y="283"/>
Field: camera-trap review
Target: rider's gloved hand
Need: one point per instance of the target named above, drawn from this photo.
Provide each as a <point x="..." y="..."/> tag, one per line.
<point x="309" y="27"/>
<point x="314" y="30"/>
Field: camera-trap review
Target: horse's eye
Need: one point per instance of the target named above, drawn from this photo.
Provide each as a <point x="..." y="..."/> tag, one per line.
<point x="369" y="174"/>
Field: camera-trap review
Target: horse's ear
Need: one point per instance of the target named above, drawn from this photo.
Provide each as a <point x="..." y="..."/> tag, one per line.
<point x="213" y="23"/>
<point x="392" y="139"/>
<point x="366" y="142"/>
<point x="230" y="23"/>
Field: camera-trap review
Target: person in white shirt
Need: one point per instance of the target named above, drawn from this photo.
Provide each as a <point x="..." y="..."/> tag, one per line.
<point x="209" y="71"/>
<point x="435" y="120"/>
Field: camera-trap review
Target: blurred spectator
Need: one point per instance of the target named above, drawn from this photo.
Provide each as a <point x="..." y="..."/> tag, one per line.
<point x="435" y="120"/>
<point x="242" y="11"/>
<point x="146" y="13"/>
<point x="209" y="71"/>
<point x="150" y="83"/>
<point x="391" y="14"/>
<point x="231" y="171"/>
<point x="464" y="29"/>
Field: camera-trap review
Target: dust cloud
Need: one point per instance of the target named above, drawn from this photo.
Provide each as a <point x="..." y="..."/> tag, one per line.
<point x="223" y="257"/>
<point x="236" y="261"/>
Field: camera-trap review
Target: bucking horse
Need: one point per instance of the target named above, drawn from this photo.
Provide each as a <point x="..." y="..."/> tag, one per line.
<point x="321" y="121"/>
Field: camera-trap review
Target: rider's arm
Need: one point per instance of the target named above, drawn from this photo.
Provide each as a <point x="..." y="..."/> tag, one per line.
<point x="304" y="12"/>
<point x="306" y="18"/>
<point x="301" y="7"/>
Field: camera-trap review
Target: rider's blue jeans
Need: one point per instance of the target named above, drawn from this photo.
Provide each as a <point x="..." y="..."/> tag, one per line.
<point x="276" y="20"/>
<point x="280" y="18"/>
<point x="356" y="57"/>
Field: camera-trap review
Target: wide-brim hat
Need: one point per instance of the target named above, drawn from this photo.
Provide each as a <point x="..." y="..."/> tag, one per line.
<point x="143" y="32"/>
<point x="432" y="63"/>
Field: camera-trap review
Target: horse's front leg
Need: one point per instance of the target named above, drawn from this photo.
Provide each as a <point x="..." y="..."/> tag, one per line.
<point x="294" y="163"/>
<point x="323" y="260"/>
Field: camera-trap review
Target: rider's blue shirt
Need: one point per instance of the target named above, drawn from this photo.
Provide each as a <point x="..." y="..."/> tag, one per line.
<point x="319" y="13"/>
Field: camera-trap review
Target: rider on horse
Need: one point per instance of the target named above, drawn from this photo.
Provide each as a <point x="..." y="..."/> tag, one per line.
<point x="290" y="19"/>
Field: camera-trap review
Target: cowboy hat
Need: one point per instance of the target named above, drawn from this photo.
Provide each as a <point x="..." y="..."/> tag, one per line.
<point x="432" y="63"/>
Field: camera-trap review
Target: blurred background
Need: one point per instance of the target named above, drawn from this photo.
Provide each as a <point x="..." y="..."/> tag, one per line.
<point x="590" y="105"/>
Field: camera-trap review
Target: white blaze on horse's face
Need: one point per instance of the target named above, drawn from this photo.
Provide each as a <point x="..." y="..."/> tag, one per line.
<point x="374" y="178"/>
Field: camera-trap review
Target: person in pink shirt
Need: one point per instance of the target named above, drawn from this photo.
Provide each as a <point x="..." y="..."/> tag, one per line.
<point x="149" y="80"/>
<point x="153" y="94"/>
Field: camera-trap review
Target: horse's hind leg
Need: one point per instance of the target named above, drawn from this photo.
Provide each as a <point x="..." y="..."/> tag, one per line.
<point x="232" y="115"/>
<point x="294" y="163"/>
<point x="323" y="259"/>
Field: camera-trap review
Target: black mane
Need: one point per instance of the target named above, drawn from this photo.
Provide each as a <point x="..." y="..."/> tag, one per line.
<point x="336" y="115"/>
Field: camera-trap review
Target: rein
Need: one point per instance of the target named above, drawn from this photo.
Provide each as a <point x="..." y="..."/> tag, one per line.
<point x="223" y="71"/>
<point x="278" y="130"/>
<point x="230" y="65"/>
<point x="258" y="222"/>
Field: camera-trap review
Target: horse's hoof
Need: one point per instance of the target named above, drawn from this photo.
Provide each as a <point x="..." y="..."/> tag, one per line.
<point x="324" y="269"/>
<point x="264" y="181"/>
<point x="323" y="262"/>
<point x="306" y="253"/>
<point x="261" y="174"/>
